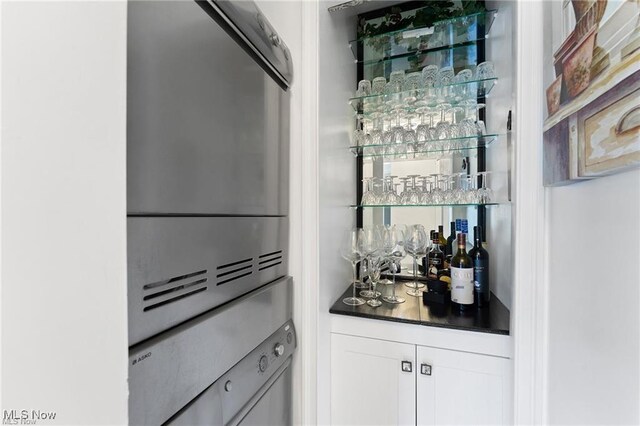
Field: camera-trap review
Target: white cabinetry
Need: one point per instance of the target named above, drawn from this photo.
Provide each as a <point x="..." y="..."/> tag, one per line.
<point x="369" y="385"/>
<point x="462" y="388"/>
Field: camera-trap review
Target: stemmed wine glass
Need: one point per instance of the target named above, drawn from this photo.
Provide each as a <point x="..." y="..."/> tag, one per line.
<point x="370" y="247"/>
<point x="350" y="251"/>
<point x="393" y="249"/>
<point x="485" y="193"/>
<point x="374" y="263"/>
<point x="382" y="229"/>
<point x="415" y="243"/>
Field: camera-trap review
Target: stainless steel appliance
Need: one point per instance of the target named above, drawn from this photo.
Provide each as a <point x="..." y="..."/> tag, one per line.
<point x="207" y="197"/>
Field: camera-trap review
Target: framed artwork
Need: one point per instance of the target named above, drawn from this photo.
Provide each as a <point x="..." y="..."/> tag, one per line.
<point x="592" y="81"/>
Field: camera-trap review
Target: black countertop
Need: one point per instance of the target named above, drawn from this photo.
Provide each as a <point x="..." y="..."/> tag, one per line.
<point x="491" y="319"/>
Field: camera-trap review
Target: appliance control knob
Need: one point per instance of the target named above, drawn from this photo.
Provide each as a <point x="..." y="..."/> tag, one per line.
<point x="228" y="386"/>
<point x="289" y="337"/>
<point x="275" y="40"/>
<point x="278" y="349"/>
<point x="263" y="363"/>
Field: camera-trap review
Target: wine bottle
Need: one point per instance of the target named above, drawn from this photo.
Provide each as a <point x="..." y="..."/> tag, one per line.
<point x="462" y="276"/>
<point x="450" y="241"/>
<point x="436" y="258"/>
<point x="480" y="258"/>
<point x="442" y="240"/>
<point x="425" y="260"/>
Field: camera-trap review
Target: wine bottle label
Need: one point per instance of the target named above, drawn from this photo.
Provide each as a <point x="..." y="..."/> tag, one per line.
<point x="434" y="266"/>
<point x="462" y="285"/>
<point x="481" y="276"/>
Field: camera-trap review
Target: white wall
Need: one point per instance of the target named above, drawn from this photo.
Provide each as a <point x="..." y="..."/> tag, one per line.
<point x="594" y="295"/>
<point x="63" y="228"/>
<point x="336" y="82"/>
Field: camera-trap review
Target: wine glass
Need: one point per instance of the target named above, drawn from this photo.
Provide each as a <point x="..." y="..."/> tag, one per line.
<point x="382" y="229"/>
<point x="415" y="244"/>
<point x="393" y="248"/>
<point x="370" y="247"/>
<point x="350" y="251"/>
<point x="374" y="264"/>
<point x="485" y="193"/>
<point x="377" y="86"/>
<point x="364" y="88"/>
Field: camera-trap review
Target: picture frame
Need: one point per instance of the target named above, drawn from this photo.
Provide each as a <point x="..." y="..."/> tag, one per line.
<point x="591" y="73"/>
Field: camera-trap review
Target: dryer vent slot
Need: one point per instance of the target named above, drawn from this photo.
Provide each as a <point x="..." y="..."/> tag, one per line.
<point x="234" y="271"/>
<point x="269" y="260"/>
<point x="160" y="293"/>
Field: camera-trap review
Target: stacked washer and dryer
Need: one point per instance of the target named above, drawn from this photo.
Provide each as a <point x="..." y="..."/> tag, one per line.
<point x="210" y="302"/>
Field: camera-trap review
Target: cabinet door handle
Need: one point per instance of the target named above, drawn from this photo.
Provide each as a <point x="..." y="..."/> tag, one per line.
<point x="407" y="366"/>
<point x="425" y="369"/>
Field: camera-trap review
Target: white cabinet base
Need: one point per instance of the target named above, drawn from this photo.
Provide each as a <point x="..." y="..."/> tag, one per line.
<point x="462" y="388"/>
<point x="456" y="378"/>
<point x="368" y="384"/>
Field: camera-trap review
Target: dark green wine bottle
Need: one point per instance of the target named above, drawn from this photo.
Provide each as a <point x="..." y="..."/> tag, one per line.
<point x="451" y="240"/>
<point x="442" y="241"/>
<point x="435" y="259"/>
<point x="480" y="258"/>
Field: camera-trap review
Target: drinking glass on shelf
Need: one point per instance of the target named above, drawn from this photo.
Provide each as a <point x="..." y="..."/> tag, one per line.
<point x="462" y="90"/>
<point x="410" y="138"/>
<point x="422" y="129"/>
<point x="364" y="88"/>
<point x="412" y="85"/>
<point x="480" y="127"/>
<point x="393" y="90"/>
<point x="385" y="262"/>
<point x="396" y="78"/>
<point x="485" y="193"/>
<point x="368" y="197"/>
<point x="359" y="136"/>
<point x="393" y="249"/>
<point x="350" y="251"/>
<point x="445" y="80"/>
<point x="390" y="196"/>
<point x="484" y="71"/>
<point x="469" y="194"/>
<point x="426" y="196"/>
<point x="414" y="196"/>
<point x="376" y="133"/>
<point x="455" y="130"/>
<point x="415" y="244"/>
<point x="406" y="192"/>
<point x="378" y="85"/>
<point x="437" y="194"/>
<point x="370" y="247"/>
<point x="429" y="79"/>
<point x="375" y="265"/>
<point x="443" y="128"/>
<point x="471" y="108"/>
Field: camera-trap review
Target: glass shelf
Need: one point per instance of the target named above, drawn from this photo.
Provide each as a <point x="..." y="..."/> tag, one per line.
<point x="415" y="61"/>
<point x="406" y="151"/>
<point x="451" y="94"/>
<point x="378" y="206"/>
<point x="441" y="35"/>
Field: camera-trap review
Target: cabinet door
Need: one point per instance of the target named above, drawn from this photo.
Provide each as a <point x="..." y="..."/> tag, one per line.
<point x="461" y="388"/>
<point x="368" y="384"/>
